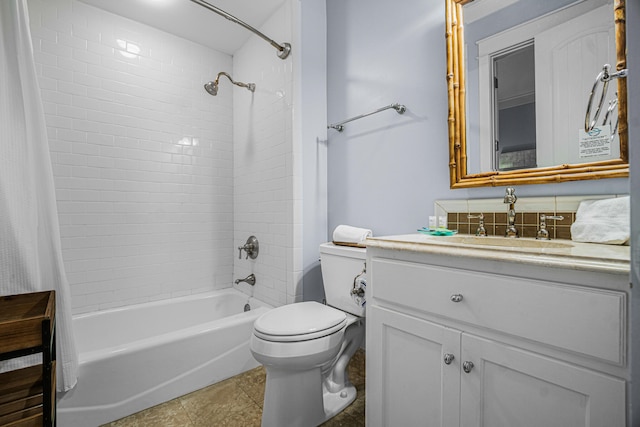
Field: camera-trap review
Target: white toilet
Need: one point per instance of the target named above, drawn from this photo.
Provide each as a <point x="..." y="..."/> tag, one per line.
<point x="305" y="347"/>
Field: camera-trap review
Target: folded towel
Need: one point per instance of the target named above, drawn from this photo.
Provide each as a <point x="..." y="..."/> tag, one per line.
<point x="351" y="235"/>
<point x="602" y="221"/>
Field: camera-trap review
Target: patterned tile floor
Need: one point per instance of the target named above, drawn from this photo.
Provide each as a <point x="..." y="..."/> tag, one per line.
<point x="237" y="401"/>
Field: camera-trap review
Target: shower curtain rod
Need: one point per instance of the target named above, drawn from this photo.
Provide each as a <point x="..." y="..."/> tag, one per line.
<point x="283" y="50"/>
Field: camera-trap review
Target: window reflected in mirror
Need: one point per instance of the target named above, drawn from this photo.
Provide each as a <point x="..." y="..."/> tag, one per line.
<point x="514" y="108"/>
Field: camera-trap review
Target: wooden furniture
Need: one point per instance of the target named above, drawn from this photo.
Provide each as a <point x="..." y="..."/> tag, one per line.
<point x="27" y="326"/>
<point x="455" y="340"/>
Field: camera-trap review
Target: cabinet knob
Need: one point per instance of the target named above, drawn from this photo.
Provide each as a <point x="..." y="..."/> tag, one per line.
<point x="456" y="297"/>
<point x="448" y="358"/>
<point x="467" y="366"/>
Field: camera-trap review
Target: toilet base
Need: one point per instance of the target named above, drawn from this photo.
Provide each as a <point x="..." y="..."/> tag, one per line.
<point x="310" y="404"/>
<point x="334" y="403"/>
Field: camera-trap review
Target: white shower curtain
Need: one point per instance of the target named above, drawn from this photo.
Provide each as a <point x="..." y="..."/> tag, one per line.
<point x="30" y="251"/>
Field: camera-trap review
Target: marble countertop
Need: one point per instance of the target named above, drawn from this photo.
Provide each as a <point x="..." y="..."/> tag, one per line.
<point x="552" y="253"/>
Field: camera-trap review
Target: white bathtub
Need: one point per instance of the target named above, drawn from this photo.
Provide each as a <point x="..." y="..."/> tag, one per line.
<point x="136" y="357"/>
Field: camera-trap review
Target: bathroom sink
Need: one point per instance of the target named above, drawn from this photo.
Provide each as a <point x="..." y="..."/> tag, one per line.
<point x="506" y="242"/>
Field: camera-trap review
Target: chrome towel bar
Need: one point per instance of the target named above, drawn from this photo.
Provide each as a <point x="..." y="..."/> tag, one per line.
<point x="400" y="109"/>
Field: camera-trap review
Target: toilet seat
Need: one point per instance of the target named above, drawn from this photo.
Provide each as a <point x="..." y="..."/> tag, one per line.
<point x="301" y="321"/>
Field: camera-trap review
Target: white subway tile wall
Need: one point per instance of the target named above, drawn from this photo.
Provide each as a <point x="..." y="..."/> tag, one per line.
<point x="265" y="197"/>
<point x="144" y="159"/>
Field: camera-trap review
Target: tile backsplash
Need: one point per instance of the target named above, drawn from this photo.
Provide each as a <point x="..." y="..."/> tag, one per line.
<point x="527" y="223"/>
<point x="528" y="211"/>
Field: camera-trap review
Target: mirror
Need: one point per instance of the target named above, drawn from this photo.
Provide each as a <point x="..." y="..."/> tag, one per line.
<point x="494" y="139"/>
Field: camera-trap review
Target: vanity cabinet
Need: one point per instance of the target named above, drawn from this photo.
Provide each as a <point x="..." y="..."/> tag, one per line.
<point x="453" y="341"/>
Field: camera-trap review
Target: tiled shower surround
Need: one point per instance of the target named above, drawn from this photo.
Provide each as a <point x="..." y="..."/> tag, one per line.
<point x="146" y="164"/>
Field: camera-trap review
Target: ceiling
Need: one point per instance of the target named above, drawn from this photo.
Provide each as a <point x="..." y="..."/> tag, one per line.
<point x="191" y="21"/>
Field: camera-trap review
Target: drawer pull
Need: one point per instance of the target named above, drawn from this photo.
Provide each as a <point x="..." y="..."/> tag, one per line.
<point x="467" y="366"/>
<point x="448" y="358"/>
<point x="456" y="297"/>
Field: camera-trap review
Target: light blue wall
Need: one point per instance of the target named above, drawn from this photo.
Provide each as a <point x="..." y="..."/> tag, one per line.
<point x="385" y="171"/>
<point x="311" y="88"/>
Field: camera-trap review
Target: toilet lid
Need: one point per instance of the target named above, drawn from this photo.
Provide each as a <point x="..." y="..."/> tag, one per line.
<point x="299" y="322"/>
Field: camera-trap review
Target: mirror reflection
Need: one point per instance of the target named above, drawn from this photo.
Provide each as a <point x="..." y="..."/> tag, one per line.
<point x="520" y="76"/>
<point x="514" y="106"/>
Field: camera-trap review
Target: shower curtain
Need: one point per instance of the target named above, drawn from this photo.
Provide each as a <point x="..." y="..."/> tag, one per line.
<point x="30" y="250"/>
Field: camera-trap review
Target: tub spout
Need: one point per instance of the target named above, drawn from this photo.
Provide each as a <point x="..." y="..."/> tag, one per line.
<point x="250" y="279"/>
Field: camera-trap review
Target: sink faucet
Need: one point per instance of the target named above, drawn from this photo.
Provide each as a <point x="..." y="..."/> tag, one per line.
<point x="510" y="199"/>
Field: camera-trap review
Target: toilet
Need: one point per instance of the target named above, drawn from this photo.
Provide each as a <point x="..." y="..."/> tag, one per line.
<point x="305" y="347"/>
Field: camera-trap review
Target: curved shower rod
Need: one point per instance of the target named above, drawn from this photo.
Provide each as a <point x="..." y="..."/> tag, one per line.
<point x="283" y="49"/>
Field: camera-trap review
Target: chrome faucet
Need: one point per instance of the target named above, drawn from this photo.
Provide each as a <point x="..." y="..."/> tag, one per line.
<point x="250" y="279"/>
<point x="543" y="233"/>
<point x="510" y="199"/>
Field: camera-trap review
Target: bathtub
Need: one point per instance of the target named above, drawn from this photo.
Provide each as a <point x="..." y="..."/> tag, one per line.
<point x="138" y="356"/>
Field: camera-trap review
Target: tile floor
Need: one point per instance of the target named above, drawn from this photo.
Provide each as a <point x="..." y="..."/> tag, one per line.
<point x="237" y="401"/>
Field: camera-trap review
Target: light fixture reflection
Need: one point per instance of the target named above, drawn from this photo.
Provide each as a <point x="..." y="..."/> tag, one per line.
<point x="128" y="49"/>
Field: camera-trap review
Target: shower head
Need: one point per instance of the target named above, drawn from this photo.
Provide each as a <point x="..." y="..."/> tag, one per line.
<point x="212" y="87"/>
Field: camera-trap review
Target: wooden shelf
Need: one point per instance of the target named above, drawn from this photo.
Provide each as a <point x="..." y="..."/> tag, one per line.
<point x="27" y="326"/>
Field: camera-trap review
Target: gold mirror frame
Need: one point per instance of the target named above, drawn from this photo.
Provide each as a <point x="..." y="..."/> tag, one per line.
<point x="459" y="178"/>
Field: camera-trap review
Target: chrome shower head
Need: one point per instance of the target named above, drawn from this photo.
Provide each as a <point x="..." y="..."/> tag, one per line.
<point x="212" y="87"/>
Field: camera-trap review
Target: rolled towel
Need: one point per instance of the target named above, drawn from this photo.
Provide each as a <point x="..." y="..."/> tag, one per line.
<point x="602" y="221"/>
<point x="346" y="234"/>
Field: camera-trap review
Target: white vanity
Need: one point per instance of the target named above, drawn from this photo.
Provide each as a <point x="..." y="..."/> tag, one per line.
<point x="498" y="332"/>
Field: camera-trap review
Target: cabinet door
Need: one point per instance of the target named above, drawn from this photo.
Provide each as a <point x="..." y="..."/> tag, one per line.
<point x="408" y="381"/>
<point x="514" y="388"/>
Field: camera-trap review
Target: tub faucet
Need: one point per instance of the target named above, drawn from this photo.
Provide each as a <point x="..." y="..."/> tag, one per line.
<point x="510" y="199"/>
<point x="250" y="279"/>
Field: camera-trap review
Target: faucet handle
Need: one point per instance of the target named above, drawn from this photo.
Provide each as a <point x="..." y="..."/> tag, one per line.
<point x="544" y="217"/>
<point x="543" y="233"/>
<point x="480" y="231"/>
<point x="251" y="247"/>
<point x="510" y="195"/>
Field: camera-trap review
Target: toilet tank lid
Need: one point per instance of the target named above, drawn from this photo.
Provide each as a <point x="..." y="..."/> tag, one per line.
<point x="346" y="251"/>
<point x="300" y="318"/>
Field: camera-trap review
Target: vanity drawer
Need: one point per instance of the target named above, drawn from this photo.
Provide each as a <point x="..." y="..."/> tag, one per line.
<point x="579" y="319"/>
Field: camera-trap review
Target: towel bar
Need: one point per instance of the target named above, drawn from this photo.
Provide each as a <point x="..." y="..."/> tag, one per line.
<point x="400" y="109"/>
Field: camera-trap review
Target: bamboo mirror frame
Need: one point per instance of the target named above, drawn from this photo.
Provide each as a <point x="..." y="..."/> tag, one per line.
<point x="616" y="168"/>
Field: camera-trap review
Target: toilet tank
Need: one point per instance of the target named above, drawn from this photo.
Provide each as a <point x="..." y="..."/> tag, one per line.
<point x="340" y="265"/>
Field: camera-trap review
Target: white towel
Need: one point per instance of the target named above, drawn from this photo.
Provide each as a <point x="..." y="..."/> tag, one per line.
<point x="602" y="221"/>
<point x="349" y="234"/>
